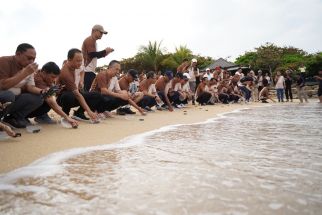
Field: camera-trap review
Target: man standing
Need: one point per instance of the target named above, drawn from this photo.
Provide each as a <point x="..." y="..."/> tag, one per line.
<point x="90" y="54"/>
<point x="17" y="77"/>
<point x="194" y="80"/>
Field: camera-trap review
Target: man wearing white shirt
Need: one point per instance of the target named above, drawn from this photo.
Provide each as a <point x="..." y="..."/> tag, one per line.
<point x="90" y="54"/>
<point x="193" y="71"/>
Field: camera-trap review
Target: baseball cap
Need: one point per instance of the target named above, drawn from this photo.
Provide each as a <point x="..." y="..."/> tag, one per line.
<point x="99" y="28"/>
<point x="194" y="60"/>
<point x="134" y="73"/>
<point x="169" y="74"/>
<point x="207" y="69"/>
<point x="186" y="76"/>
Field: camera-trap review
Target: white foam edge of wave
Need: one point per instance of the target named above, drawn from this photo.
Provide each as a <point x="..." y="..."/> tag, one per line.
<point x="51" y="164"/>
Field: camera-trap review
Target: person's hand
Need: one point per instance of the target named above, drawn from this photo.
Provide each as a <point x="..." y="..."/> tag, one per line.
<point x="108" y="50"/>
<point x="142" y="112"/>
<point x="81" y="85"/>
<point x="30" y="69"/>
<point x="93" y="116"/>
<point x="73" y="122"/>
<point x="170" y="108"/>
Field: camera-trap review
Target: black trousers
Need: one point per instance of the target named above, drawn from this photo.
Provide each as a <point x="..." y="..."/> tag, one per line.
<point x="174" y="97"/>
<point x="288" y="92"/>
<point x="88" y="80"/>
<point x="110" y="103"/>
<point x="224" y="98"/>
<point x="67" y="100"/>
<point x="43" y="109"/>
<point x="203" y="98"/>
<point x="147" y="101"/>
<point x="23" y="105"/>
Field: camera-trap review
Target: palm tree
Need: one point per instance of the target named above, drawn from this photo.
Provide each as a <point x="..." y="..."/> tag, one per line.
<point x="151" y="55"/>
<point x="175" y="59"/>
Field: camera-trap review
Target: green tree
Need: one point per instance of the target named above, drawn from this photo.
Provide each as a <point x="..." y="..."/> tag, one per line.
<point x="151" y="56"/>
<point x="268" y="57"/>
<point x="172" y="61"/>
<point x="314" y="64"/>
<point x="248" y="59"/>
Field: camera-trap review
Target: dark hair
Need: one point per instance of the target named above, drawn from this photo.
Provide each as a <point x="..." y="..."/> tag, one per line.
<point x="204" y="78"/>
<point x="23" y="47"/>
<point x="150" y="74"/>
<point x="112" y="63"/>
<point x="72" y="52"/>
<point x="179" y="75"/>
<point x="51" y="68"/>
<point x="265" y="82"/>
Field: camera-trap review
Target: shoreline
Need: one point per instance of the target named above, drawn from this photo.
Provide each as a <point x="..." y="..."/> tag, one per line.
<point x="19" y="152"/>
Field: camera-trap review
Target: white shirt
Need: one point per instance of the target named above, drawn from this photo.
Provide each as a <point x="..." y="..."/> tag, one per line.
<point x="77" y="75"/>
<point x="192" y="74"/>
<point x="114" y="85"/>
<point x="280" y="83"/>
<point x="29" y="80"/>
<point x="186" y="87"/>
<point x="93" y="64"/>
<point x="152" y="89"/>
<point x="177" y="87"/>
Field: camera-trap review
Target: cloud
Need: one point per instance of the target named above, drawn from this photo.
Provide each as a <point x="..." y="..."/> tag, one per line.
<point x="210" y="28"/>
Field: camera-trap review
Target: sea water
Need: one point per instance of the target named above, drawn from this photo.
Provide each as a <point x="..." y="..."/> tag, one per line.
<point x="266" y="160"/>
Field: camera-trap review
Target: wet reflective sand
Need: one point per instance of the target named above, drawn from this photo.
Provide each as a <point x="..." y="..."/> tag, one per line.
<point x="261" y="161"/>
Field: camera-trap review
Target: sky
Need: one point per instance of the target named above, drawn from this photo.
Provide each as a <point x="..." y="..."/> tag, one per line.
<point x="215" y="28"/>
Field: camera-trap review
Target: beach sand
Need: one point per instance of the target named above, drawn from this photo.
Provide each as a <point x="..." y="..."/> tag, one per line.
<point x="19" y="152"/>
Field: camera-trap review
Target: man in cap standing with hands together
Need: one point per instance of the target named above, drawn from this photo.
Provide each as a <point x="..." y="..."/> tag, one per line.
<point x="90" y="54"/>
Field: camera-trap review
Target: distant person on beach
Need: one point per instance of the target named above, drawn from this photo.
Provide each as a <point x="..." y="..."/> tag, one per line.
<point x="18" y="86"/>
<point x="194" y="80"/>
<point x="163" y="86"/>
<point x="187" y="94"/>
<point x="45" y="79"/>
<point x="288" y="87"/>
<point x="268" y="78"/>
<point x="90" y="54"/>
<point x="260" y="78"/>
<point x="264" y="93"/>
<point x="319" y="79"/>
<point x="70" y="96"/>
<point x="203" y="94"/>
<point x="300" y="87"/>
<point x="279" y="86"/>
<point x="151" y="97"/>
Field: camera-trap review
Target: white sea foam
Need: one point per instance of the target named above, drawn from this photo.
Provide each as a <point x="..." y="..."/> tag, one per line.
<point x="247" y="166"/>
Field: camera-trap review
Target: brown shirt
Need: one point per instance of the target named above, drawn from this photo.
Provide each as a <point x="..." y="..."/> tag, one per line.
<point x="124" y="84"/>
<point x="40" y="81"/>
<point x="160" y="84"/>
<point x="8" y="67"/>
<point x="144" y="85"/>
<point x="101" y="80"/>
<point x="89" y="45"/>
<point x="67" y="78"/>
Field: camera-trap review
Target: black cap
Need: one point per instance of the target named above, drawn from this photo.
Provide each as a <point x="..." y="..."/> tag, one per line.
<point x="134" y="73"/>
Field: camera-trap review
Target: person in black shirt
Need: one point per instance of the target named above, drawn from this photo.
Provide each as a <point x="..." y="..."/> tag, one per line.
<point x="288" y="87"/>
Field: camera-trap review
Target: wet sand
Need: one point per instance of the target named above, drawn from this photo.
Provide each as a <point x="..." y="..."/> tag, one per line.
<point x="19" y="152"/>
